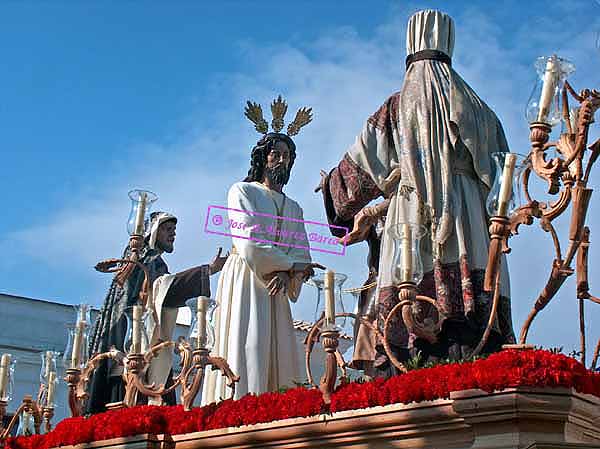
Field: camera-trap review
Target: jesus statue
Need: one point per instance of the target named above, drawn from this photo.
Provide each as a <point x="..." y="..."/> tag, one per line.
<point x="268" y="263"/>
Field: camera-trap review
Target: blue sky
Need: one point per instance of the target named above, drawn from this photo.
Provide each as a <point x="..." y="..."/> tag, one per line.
<point x="99" y="97"/>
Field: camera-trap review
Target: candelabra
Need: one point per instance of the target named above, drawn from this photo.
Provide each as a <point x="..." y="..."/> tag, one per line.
<point x="192" y="378"/>
<point x="329" y="336"/>
<point x="327" y="332"/>
<point x="41" y="410"/>
<point x="136" y="362"/>
<point x="567" y="176"/>
<point x="141" y="203"/>
<point x="27" y="407"/>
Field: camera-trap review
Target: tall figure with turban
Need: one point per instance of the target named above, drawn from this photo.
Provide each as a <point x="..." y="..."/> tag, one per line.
<point x="427" y="150"/>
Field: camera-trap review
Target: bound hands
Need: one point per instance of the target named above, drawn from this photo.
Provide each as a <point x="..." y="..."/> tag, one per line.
<point x="306" y="268"/>
<point x="217" y="263"/>
<point x="279" y="281"/>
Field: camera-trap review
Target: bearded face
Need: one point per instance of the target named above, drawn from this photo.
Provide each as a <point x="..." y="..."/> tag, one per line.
<point x="278" y="175"/>
<point x="277" y="168"/>
<point x="165" y="237"/>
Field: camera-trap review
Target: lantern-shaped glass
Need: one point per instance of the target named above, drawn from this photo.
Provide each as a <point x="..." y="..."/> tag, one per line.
<point x="139" y="215"/>
<point x="544" y="104"/>
<point x="506" y="194"/>
<point x="48" y="364"/>
<point x="7" y="376"/>
<point x="76" y="351"/>
<point x="137" y="340"/>
<point x="51" y="383"/>
<point x="202" y="328"/>
<point x="407" y="265"/>
<point x="26" y="424"/>
<point x="318" y="281"/>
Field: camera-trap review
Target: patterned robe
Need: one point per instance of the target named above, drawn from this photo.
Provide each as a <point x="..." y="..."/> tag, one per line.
<point x="428" y="148"/>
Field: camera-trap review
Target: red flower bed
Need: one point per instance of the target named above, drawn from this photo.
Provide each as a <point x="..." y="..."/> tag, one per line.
<point x="533" y="368"/>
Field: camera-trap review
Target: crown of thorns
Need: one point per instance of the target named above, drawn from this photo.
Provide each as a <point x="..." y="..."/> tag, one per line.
<point x="278" y="109"/>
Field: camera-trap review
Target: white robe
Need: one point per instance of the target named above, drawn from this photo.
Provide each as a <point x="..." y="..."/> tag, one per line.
<point x="254" y="331"/>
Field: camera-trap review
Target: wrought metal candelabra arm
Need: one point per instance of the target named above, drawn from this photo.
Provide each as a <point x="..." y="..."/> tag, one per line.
<point x="112" y="266"/>
<point x="3" y="432"/>
<point x="134" y="366"/>
<point x="330" y="342"/>
<point x="73" y="378"/>
<point x="567" y="170"/>
<point x="28" y="406"/>
<point x="136" y="243"/>
<point x="193" y="377"/>
<point x="407" y="303"/>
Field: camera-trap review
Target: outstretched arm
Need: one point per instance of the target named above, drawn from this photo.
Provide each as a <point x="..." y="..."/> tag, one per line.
<point x="346" y="190"/>
<point x="188" y="284"/>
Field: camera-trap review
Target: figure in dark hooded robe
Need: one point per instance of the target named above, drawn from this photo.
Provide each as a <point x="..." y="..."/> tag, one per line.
<point x="171" y="292"/>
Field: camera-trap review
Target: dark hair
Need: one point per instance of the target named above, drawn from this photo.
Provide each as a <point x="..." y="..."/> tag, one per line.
<point x="258" y="158"/>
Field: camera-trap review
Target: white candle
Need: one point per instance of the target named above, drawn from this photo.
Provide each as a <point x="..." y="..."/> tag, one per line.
<point x="139" y="218"/>
<point x="4" y="367"/>
<point x="329" y="297"/>
<point x="77" y="341"/>
<point x="573" y="117"/>
<point x="48" y="362"/>
<point x="506" y="188"/>
<point x="51" y="387"/>
<point x="548" y="89"/>
<point x="407" y="268"/>
<point x="136" y="346"/>
<point x="201" y="319"/>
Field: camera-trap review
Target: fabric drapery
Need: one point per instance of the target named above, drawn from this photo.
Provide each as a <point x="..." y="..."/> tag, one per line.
<point x="439" y="135"/>
<point x="254" y="331"/>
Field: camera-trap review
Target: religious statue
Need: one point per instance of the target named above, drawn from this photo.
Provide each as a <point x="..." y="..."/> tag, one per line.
<point x="269" y="261"/>
<point x="170" y="292"/>
<point x="427" y="151"/>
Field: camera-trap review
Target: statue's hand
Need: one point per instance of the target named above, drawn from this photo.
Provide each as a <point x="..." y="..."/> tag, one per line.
<point x="306" y="268"/>
<point x="362" y="224"/>
<point x="322" y="182"/>
<point x="217" y="263"/>
<point x="280" y="282"/>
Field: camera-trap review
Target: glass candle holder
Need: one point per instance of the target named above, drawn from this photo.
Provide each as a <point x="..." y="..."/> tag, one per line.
<point x="7" y="376"/>
<point x="76" y="351"/>
<point x="208" y="340"/>
<point x="407" y="265"/>
<point x="139" y="214"/>
<point x="544" y="104"/>
<point x="512" y="194"/>
<point x="318" y="281"/>
<point x="136" y="340"/>
<point x="48" y="364"/>
<point x="26" y="424"/>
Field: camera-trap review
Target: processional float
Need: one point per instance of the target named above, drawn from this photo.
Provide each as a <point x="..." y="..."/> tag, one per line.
<point x="510" y="204"/>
